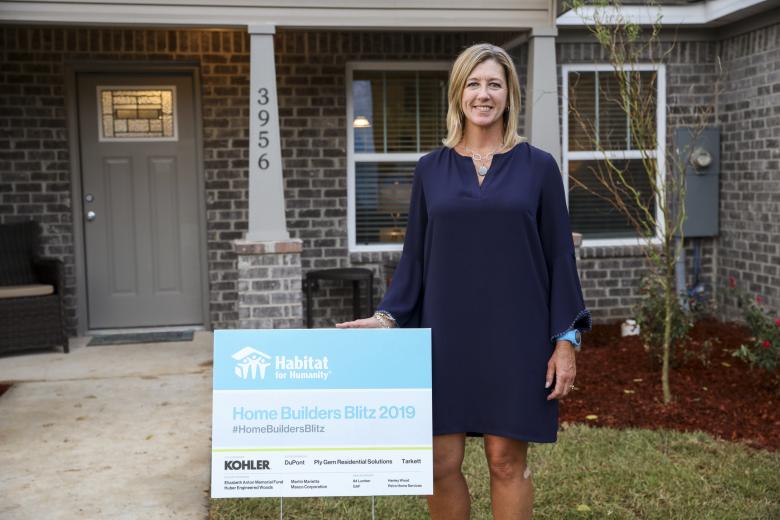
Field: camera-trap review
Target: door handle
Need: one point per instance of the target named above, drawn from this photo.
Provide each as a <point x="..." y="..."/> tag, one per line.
<point x="91" y="215"/>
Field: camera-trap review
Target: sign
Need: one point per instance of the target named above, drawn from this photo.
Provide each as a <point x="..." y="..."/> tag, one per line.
<point x="322" y="412"/>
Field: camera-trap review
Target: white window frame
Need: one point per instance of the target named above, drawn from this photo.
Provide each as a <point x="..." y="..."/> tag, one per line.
<point x="659" y="153"/>
<point x="353" y="157"/>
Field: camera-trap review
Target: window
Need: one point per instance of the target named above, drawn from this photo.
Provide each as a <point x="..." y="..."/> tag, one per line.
<point x="396" y="112"/>
<point x="137" y="114"/>
<point x="592" y="90"/>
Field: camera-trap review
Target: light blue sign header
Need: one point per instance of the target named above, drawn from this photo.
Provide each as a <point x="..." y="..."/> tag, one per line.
<point x="322" y="359"/>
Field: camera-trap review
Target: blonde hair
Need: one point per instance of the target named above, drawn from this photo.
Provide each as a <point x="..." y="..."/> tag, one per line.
<point x="461" y="70"/>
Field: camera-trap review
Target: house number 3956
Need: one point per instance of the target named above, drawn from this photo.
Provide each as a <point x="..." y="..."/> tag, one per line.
<point x="262" y="137"/>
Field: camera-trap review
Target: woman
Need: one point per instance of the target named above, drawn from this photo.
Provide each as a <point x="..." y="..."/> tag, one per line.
<point x="488" y="264"/>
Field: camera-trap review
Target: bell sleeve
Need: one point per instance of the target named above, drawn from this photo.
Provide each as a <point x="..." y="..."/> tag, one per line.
<point x="403" y="298"/>
<point x="567" y="306"/>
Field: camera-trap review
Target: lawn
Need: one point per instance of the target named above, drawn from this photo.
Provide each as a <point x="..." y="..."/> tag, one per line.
<point x="590" y="473"/>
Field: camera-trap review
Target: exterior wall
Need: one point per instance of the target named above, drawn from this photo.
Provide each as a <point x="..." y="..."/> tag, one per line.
<point x="35" y="169"/>
<point x="749" y="117"/>
<point x="611" y="275"/>
<point x="34" y="145"/>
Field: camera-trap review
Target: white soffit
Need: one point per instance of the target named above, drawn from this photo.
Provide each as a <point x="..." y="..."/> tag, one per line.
<point x="374" y="15"/>
<point x="708" y="12"/>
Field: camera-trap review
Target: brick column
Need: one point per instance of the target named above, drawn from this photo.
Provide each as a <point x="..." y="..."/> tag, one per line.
<point x="269" y="284"/>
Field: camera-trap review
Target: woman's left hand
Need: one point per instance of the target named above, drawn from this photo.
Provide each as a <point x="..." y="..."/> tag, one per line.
<point x="563" y="368"/>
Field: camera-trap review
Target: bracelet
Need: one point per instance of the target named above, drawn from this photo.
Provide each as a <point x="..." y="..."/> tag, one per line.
<point x="385" y="319"/>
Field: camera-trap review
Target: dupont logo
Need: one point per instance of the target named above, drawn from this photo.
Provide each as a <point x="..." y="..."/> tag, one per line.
<point x="234" y="465"/>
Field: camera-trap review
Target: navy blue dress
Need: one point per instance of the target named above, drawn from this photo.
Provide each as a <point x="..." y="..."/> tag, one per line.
<point x="491" y="270"/>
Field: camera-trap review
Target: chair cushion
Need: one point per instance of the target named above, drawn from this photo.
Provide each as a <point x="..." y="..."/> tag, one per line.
<point x="23" y="291"/>
<point x="17" y="247"/>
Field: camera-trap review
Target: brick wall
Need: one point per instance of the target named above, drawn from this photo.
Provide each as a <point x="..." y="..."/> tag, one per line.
<point x="34" y="145"/>
<point x="749" y="117"/>
<point x="269" y="284"/>
<point x="34" y="156"/>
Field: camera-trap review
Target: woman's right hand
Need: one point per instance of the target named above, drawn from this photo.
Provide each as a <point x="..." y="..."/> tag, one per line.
<point x="365" y="323"/>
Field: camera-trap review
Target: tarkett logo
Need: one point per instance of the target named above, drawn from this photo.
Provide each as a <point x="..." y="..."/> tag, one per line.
<point x="247" y="464"/>
<point x="251" y="363"/>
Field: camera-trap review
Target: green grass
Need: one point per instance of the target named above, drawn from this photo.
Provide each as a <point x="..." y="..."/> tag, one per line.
<point x="615" y="473"/>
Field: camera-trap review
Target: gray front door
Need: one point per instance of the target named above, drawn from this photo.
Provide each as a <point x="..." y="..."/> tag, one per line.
<point x="140" y="190"/>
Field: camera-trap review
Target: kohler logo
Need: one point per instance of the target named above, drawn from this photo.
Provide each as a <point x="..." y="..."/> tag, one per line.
<point x="246" y="464"/>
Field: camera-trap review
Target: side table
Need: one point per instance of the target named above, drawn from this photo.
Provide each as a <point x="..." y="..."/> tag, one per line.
<point x="347" y="274"/>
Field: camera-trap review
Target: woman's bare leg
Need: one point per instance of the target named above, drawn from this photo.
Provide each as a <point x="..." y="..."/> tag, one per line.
<point x="511" y="489"/>
<point x="450" y="499"/>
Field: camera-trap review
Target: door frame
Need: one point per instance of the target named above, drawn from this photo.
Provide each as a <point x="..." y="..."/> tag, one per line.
<point x="72" y="69"/>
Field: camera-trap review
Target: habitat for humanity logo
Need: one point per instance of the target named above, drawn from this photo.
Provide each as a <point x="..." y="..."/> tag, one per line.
<point x="251" y="363"/>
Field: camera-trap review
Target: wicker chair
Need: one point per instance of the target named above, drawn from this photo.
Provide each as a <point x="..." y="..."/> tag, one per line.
<point x="31" y="288"/>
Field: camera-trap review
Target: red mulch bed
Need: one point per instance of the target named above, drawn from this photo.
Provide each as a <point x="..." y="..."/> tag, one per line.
<point x="724" y="398"/>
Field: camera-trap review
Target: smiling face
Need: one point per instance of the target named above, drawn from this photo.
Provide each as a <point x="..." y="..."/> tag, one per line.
<point x="485" y="95"/>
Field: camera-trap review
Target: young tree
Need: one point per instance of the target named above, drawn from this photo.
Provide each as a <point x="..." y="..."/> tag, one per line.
<point x="650" y="198"/>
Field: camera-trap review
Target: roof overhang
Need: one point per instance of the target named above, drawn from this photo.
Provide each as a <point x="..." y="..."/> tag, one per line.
<point x="488" y="15"/>
<point x="709" y="13"/>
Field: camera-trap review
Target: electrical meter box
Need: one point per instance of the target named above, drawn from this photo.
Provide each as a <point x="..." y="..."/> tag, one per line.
<point x="701" y="156"/>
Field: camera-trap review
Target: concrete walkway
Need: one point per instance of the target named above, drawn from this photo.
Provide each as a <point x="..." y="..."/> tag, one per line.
<point x="107" y="432"/>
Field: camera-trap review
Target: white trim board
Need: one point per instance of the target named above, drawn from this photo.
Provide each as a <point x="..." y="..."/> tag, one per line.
<point x="373" y="16"/>
<point x="708" y="12"/>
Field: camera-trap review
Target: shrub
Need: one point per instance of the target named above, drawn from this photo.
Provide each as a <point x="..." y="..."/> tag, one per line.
<point x="764" y="351"/>
<point x="650" y="316"/>
<point x="701" y="352"/>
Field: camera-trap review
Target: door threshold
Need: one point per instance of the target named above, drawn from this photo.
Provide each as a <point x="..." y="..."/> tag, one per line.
<point x="134" y="330"/>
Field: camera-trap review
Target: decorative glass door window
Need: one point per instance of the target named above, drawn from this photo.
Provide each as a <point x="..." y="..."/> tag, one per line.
<point x="137" y="113"/>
